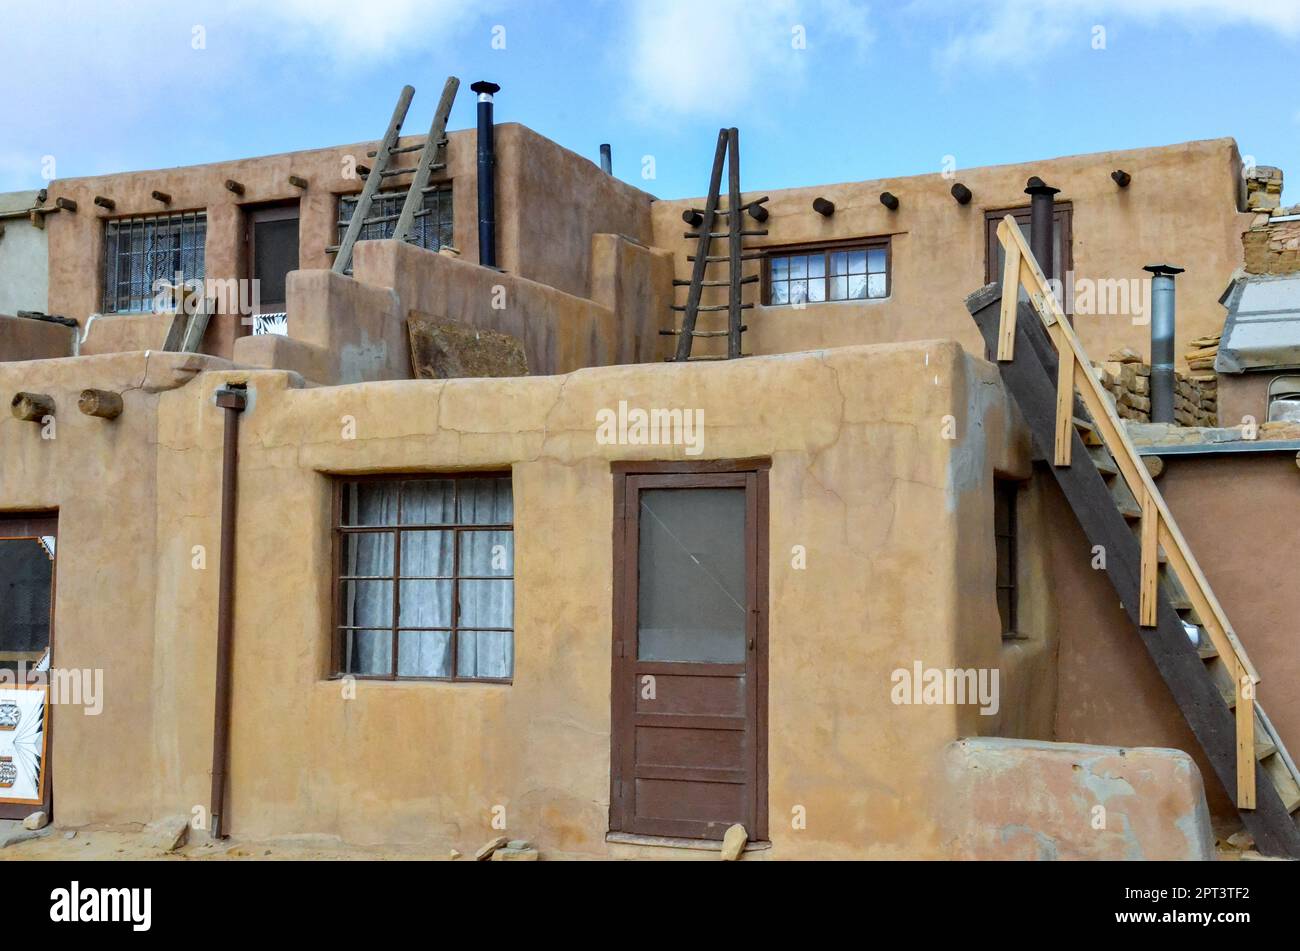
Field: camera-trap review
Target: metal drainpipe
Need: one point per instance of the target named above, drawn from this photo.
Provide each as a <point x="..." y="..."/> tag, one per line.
<point x="233" y="400"/>
<point x="1163" y="325"/>
<point x="1041" y="220"/>
<point x="487" y="160"/>
<point x="606" y="159"/>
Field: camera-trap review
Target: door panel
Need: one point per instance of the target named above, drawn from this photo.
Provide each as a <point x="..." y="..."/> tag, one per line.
<point x="690" y="653"/>
<point x="27" y="560"/>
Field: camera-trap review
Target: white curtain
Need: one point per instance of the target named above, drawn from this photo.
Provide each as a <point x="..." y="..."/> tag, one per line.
<point x="425" y="589"/>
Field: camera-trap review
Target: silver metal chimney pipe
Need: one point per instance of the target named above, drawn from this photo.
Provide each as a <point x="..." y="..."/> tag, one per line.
<point x="1163" y="326"/>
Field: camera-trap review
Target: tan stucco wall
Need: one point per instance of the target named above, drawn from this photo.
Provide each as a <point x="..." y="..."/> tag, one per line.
<point x="24" y="267"/>
<point x="22" y="338"/>
<point x="1181" y="207"/>
<point x="550" y="203"/>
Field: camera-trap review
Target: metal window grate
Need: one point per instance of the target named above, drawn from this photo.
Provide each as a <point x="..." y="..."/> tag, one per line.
<point x="431" y="230"/>
<point x="140" y="252"/>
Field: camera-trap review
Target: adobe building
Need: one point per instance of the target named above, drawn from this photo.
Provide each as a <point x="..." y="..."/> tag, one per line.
<point x="424" y="540"/>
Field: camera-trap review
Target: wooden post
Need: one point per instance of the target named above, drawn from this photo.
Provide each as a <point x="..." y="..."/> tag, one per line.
<point x="1245" y="741"/>
<point x="100" y="403"/>
<point x="32" y="407"/>
<point x="1010" y="296"/>
<point x="1150" y="560"/>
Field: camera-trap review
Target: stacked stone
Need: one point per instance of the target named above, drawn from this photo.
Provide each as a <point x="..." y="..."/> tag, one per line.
<point x="1272" y="244"/>
<point x="1127" y="381"/>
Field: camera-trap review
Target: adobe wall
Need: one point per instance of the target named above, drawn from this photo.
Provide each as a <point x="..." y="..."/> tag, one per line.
<point x="22" y="338"/>
<point x="24" y="275"/>
<point x="550" y="202"/>
<point x="1181" y="207"/>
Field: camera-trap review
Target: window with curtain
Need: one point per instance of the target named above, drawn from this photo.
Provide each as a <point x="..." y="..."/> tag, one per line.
<point x="425" y="572"/>
<point x="139" y="252"/>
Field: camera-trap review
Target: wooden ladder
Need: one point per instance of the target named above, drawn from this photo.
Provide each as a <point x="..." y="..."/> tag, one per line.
<point x="1149" y="563"/>
<point x="728" y="151"/>
<point x="432" y="159"/>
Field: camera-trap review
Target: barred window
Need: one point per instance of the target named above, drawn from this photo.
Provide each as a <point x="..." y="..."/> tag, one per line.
<point x="432" y="228"/>
<point x="425" y="577"/>
<point x="138" y="252"/>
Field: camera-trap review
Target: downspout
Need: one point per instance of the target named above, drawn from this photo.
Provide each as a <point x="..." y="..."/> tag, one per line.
<point x="487" y="161"/>
<point x="233" y="399"/>
<point x="1042" y="197"/>
<point x="1163" y="324"/>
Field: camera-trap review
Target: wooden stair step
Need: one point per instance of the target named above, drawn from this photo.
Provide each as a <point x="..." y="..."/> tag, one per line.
<point x="1088" y="432"/>
<point x="1287" y="789"/>
<point x="1207" y="650"/>
<point x="1264" y="748"/>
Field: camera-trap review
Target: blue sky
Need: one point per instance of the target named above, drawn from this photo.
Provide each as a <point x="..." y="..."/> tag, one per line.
<point x="822" y="90"/>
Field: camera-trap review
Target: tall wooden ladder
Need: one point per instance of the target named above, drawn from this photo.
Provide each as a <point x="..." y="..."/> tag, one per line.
<point x="1147" y="559"/>
<point x="433" y="152"/>
<point x="706" y="233"/>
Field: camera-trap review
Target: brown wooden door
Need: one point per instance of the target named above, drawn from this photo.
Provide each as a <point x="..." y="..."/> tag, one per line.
<point x="689" y="693"/>
<point x="28" y="548"/>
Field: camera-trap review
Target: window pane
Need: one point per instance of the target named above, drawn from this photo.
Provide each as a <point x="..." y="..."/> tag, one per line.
<point x="780" y="269"/>
<point x="368" y="553"/>
<point x="857" y="262"/>
<point x="487" y="553"/>
<point x="428" y="554"/>
<point x="798" y="292"/>
<point x="816" y="289"/>
<point x="486" y="501"/>
<point x="798" y="267"/>
<point x="424" y="653"/>
<point x="691" y="602"/>
<point x="428" y="502"/>
<point x="425" y="604"/>
<point x="780" y="293"/>
<point x="485" y="654"/>
<point x="876" y="285"/>
<point x="839" y="288"/>
<point x="857" y="287"/>
<point x="370" y="503"/>
<point x="368" y="603"/>
<point x="368" y="653"/>
<point x="839" y="262"/>
<point x="876" y="260"/>
<point x="816" y="266"/>
<point x="487" y="604"/>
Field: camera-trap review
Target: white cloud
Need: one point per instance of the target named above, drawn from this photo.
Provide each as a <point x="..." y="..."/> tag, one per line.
<point x="710" y="57"/>
<point x="996" y="32"/>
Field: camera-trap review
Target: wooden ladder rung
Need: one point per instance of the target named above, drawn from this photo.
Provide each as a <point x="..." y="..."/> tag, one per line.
<point x="748" y="279"/>
<point x="712" y="307"/>
<point x="701" y="333"/>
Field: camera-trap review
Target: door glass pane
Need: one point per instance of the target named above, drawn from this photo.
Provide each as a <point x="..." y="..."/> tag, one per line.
<point x="26" y="573"/>
<point x="691" y="599"/>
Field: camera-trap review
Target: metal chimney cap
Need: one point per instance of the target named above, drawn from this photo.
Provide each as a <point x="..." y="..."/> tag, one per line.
<point x="1036" y="186"/>
<point x="484" y="87"/>
<point x="1164" y="270"/>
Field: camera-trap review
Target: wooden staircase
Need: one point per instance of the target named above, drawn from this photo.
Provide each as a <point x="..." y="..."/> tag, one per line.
<point x="1149" y="563"/>
<point x="705" y="223"/>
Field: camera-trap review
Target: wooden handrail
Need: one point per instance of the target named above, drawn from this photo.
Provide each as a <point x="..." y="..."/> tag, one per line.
<point x="1159" y="529"/>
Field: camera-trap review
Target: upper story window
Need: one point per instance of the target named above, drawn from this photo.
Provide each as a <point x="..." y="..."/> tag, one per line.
<point x="813" y="274"/>
<point x="140" y="252"/>
<point x="424" y="574"/>
<point x="1062" y="240"/>
<point x="433" y="224"/>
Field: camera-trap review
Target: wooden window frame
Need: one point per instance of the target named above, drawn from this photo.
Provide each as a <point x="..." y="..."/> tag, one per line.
<point x="1007" y="491"/>
<point x="827" y="248"/>
<point x="339" y="531"/>
<point x="1063" y="210"/>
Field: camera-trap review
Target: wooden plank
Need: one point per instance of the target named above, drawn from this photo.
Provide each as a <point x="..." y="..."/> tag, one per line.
<point x="432" y="145"/>
<point x="359" y="214"/>
<point x="1150" y="560"/>
<point x="1246" y="759"/>
<point x="1176" y="658"/>
<point x="702" y="254"/>
<point x="1010" y="293"/>
<point x="1065" y="434"/>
